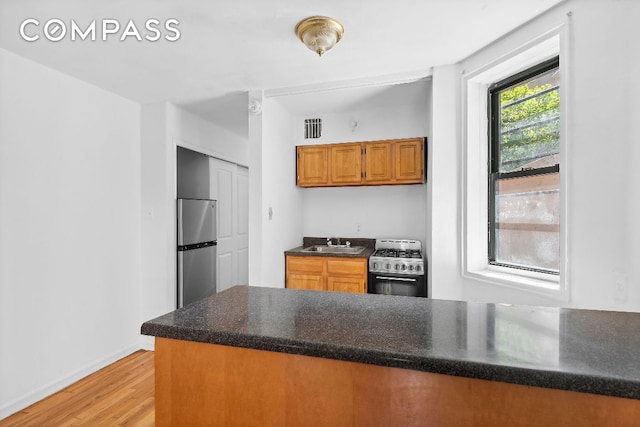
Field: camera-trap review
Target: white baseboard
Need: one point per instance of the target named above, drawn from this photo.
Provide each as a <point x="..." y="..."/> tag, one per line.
<point x="48" y="389"/>
<point x="147" y="343"/>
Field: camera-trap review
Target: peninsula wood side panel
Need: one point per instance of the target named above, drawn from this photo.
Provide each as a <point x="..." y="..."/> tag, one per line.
<point x="210" y="385"/>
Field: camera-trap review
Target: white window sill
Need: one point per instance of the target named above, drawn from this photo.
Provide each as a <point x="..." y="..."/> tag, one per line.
<point x="547" y="285"/>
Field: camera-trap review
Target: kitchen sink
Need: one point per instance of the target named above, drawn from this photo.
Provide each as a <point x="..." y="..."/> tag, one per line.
<point x="354" y="250"/>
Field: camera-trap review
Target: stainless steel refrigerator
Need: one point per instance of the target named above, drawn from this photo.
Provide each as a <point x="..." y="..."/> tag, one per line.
<point x="197" y="240"/>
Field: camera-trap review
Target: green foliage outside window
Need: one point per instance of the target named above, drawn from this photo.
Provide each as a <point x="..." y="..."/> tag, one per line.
<point x="530" y="124"/>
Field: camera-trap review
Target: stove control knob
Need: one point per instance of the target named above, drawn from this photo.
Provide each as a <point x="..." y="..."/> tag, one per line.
<point x="411" y="267"/>
<point x="418" y="268"/>
<point x="404" y="267"/>
<point x="397" y="266"/>
<point x="375" y="265"/>
<point x="388" y="266"/>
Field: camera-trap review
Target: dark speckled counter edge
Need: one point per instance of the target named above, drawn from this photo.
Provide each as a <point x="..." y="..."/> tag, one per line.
<point x="310" y="241"/>
<point x="616" y="387"/>
<point x="366" y="253"/>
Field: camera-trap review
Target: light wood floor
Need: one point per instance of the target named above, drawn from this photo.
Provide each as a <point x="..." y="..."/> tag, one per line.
<point x="122" y="394"/>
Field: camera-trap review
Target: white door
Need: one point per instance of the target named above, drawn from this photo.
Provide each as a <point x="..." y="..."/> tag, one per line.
<point x="242" y="214"/>
<point x="229" y="186"/>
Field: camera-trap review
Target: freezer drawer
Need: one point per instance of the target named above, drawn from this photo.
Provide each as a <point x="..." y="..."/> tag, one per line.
<point x="196" y="274"/>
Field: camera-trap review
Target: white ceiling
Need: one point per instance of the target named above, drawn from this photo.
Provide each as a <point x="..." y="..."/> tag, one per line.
<point x="228" y="47"/>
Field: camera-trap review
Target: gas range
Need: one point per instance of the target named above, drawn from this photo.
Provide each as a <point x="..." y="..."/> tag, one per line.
<point x="399" y="256"/>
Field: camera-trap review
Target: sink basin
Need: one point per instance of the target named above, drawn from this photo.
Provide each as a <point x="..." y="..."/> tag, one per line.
<point x="354" y="250"/>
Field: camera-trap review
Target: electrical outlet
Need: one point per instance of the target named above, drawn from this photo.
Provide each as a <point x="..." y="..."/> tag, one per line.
<point x="621" y="286"/>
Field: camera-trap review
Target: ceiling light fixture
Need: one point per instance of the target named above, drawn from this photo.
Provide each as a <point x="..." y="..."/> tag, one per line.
<point x="319" y="33"/>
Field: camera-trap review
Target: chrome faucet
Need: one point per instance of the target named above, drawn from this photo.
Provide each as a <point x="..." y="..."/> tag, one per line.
<point x="330" y="239"/>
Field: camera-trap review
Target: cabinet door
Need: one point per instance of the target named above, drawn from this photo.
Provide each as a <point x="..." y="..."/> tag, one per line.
<point x="347" y="275"/>
<point x="347" y="267"/>
<point x="346" y="164"/>
<point x="305" y="264"/>
<point x="312" y="165"/>
<point x="409" y="161"/>
<point x="378" y="162"/>
<point x="305" y="273"/>
<point x="305" y="281"/>
<point x="346" y="284"/>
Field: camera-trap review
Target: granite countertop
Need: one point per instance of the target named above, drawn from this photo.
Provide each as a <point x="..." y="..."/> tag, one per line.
<point x="369" y="245"/>
<point x="579" y="350"/>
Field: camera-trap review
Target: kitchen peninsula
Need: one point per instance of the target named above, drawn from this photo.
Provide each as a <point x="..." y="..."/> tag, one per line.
<point x="265" y="356"/>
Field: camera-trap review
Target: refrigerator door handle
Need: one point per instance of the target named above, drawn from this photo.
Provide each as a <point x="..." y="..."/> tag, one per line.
<point x="180" y="279"/>
<point x="182" y="248"/>
<point x="179" y="215"/>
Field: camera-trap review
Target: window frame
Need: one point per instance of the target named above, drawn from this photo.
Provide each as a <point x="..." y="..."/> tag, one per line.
<point x="477" y="74"/>
<point x="494" y="174"/>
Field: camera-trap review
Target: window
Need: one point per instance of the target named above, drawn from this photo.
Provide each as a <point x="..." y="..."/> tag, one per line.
<point x="524" y="171"/>
<point x="514" y="228"/>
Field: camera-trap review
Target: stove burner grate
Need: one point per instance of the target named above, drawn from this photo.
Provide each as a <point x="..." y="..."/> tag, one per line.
<point x="396" y="253"/>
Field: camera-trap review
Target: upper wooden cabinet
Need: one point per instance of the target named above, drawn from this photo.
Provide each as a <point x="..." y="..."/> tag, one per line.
<point x="346" y="164"/>
<point x="389" y="162"/>
<point x="409" y="161"/>
<point x="378" y="163"/>
<point x="313" y="165"/>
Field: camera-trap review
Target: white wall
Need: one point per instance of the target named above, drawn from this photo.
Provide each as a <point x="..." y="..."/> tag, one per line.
<point x="601" y="166"/>
<point x="157" y="194"/>
<point x="367" y="212"/>
<point x="163" y="127"/>
<point x="256" y="210"/>
<point x="196" y="133"/>
<point x="370" y="212"/>
<point x="393" y="111"/>
<point x="397" y="111"/>
<point x="444" y="182"/>
<point x="69" y="230"/>
<point x="283" y="230"/>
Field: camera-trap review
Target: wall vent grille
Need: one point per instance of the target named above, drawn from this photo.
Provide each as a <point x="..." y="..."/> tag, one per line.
<point x="312" y="128"/>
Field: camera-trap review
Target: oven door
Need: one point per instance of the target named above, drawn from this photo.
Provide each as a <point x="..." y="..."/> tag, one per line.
<point x="397" y="284"/>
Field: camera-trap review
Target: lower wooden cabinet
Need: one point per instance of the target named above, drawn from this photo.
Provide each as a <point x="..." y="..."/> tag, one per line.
<point x="305" y="273"/>
<point x="306" y="281"/>
<point x="346" y="284"/>
<point x="327" y="274"/>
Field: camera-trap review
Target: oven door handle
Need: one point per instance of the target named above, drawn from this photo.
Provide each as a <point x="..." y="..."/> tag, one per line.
<point x="397" y="279"/>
